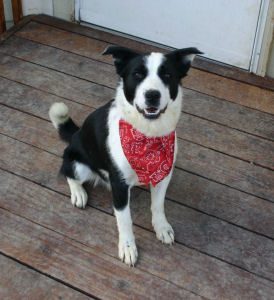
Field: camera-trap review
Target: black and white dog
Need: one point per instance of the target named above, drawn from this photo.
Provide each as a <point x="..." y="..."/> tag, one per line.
<point x="131" y="140"/>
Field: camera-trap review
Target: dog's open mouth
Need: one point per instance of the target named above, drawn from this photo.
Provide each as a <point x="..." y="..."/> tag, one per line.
<point x="151" y="112"/>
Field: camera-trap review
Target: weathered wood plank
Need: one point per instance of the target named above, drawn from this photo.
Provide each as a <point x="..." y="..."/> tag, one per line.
<point x="18" y="282"/>
<point x="204" y="233"/>
<point x="191" y="128"/>
<point x="60" y="60"/>
<point x="230" y="114"/>
<point x="208" y="107"/>
<point x="231" y="90"/>
<point x="200" y="193"/>
<point x="198" y="80"/>
<point x="226" y="140"/>
<point x="191" y="157"/>
<point x="37" y="102"/>
<point x="223" y="202"/>
<point x="199" y="63"/>
<point x="54" y="82"/>
<point x="13" y="29"/>
<point x="227" y="170"/>
<point x="90" y="270"/>
<point x="194" y="271"/>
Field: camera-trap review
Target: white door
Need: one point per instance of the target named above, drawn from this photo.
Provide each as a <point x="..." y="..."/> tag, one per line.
<point x="224" y="30"/>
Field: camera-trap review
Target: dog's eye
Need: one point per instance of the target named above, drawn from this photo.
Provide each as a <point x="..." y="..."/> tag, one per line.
<point x="167" y="75"/>
<point x="138" y="75"/>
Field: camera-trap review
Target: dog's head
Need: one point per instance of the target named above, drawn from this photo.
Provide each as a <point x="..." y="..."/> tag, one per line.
<point x="151" y="82"/>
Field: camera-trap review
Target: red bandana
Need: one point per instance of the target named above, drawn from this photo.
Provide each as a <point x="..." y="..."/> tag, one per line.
<point x="150" y="157"/>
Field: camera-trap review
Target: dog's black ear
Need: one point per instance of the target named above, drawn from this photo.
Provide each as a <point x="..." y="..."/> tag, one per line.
<point x="183" y="59"/>
<point x="121" y="56"/>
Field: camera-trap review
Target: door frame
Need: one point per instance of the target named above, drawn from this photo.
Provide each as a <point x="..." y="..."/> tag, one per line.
<point x="263" y="39"/>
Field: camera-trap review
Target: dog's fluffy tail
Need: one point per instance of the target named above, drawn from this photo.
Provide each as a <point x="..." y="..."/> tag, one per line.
<point x="59" y="116"/>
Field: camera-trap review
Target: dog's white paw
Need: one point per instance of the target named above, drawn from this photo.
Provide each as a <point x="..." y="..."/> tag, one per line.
<point x="165" y="233"/>
<point x="79" y="196"/>
<point x="128" y="252"/>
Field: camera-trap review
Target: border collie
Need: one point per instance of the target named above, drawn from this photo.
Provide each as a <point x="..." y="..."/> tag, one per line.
<point x="129" y="141"/>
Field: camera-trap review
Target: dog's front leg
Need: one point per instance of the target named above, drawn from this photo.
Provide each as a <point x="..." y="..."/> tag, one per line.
<point x="121" y="200"/>
<point x="163" y="229"/>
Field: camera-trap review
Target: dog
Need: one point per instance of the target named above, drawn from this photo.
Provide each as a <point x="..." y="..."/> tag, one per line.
<point x="131" y="140"/>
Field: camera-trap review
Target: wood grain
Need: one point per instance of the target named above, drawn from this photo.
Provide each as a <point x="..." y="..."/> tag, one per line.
<point x="198" y="272"/>
<point x="220" y="138"/>
<point x="230" y="114"/>
<point x="200" y="193"/>
<point x="17" y="10"/>
<point x="227" y="170"/>
<point x="226" y="140"/>
<point x="54" y="82"/>
<point x="211" y="84"/>
<point x="60" y="60"/>
<point x="18" y="282"/>
<point x="194" y="229"/>
<point x="231" y="90"/>
<point x="208" y="107"/>
<point x="199" y="63"/>
<point x="90" y="270"/>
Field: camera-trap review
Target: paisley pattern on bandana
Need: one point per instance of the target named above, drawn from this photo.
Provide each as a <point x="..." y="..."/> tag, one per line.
<point x="150" y="157"/>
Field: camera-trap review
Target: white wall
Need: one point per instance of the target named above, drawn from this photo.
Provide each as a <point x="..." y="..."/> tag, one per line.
<point x="63" y="9"/>
<point x="37" y="7"/>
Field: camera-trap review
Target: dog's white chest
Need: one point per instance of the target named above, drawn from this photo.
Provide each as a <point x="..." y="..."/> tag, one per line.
<point x="115" y="148"/>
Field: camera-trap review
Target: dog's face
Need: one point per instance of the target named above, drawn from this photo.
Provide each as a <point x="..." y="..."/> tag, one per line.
<point x="151" y="81"/>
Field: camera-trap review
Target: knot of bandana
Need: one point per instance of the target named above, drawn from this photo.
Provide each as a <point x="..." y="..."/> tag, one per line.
<point x="150" y="157"/>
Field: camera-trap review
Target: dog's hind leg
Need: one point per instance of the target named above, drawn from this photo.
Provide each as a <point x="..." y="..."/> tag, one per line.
<point x="81" y="173"/>
<point x="79" y="196"/>
<point x="163" y="229"/>
<point x="76" y="174"/>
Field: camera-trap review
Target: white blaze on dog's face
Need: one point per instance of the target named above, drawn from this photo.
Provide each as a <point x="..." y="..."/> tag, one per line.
<point x="150" y="93"/>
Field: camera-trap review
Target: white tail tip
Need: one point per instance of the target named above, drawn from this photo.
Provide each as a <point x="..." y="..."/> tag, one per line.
<point x="58" y="114"/>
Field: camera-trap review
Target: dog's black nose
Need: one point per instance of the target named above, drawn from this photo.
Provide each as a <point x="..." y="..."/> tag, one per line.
<point x="152" y="98"/>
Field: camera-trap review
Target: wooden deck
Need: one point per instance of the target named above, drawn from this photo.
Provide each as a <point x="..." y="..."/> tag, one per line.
<point x="220" y="201"/>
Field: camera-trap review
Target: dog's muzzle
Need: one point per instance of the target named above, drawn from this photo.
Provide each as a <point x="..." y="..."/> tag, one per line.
<point x="151" y="112"/>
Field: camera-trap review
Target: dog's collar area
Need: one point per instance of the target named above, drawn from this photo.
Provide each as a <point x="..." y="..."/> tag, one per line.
<point x="151" y="112"/>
